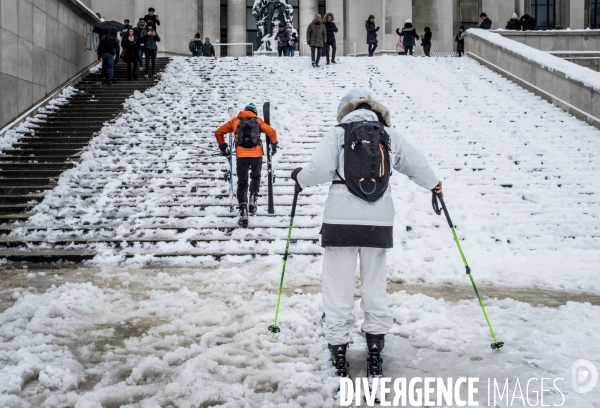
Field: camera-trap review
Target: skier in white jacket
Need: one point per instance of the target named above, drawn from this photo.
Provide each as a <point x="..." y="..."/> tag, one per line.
<point x="353" y="226"/>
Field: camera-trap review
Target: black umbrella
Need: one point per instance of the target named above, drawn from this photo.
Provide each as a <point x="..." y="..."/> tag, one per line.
<point x="105" y="27"/>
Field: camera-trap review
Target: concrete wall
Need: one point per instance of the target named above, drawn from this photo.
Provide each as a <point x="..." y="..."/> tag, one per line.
<point x="43" y="43"/>
<point x="358" y="11"/>
<point x="437" y="15"/>
<point x="396" y="13"/>
<point x="178" y="19"/>
<point x="558" y="86"/>
<point x="308" y="9"/>
<point x="557" y="40"/>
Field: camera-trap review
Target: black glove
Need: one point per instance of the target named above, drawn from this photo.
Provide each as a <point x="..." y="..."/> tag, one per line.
<point x="224" y="149"/>
<point x="295" y="174"/>
<point x="99" y="57"/>
<point x="274" y="149"/>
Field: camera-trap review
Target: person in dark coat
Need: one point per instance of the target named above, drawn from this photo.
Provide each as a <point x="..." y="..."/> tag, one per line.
<point x="408" y="34"/>
<point x="460" y="41"/>
<point x="151" y="16"/>
<point x="371" y="34"/>
<point x="486" y="23"/>
<point x="282" y="39"/>
<point x="426" y="42"/>
<point x="207" y="49"/>
<point x="108" y="51"/>
<point x="513" y="23"/>
<point x="316" y="37"/>
<point x="131" y="45"/>
<point x="138" y="33"/>
<point x="331" y="30"/>
<point x="150" y="38"/>
<point x="292" y="41"/>
<point x="125" y="30"/>
<point x="197" y="41"/>
<point x="528" y="23"/>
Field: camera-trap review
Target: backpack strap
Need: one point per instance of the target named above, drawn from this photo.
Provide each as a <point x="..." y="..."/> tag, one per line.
<point x="341" y="180"/>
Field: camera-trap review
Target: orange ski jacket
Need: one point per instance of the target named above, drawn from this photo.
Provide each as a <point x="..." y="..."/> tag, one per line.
<point x="231" y="126"/>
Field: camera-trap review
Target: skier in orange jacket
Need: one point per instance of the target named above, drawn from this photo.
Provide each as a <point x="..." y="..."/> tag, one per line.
<point x="247" y="127"/>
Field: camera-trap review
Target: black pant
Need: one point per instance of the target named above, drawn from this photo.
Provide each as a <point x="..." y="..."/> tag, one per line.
<point x="281" y="51"/>
<point x="333" y="50"/>
<point x="151" y="55"/>
<point x="135" y="65"/>
<point x="318" y="50"/>
<point x="245" y="165"/>
<point x="460" y="52"/>
<point x="427" y="49"/>
<point x="407" y="49"/>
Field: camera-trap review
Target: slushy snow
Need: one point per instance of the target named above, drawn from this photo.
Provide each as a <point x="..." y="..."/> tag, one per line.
<point x="520" y="182"/>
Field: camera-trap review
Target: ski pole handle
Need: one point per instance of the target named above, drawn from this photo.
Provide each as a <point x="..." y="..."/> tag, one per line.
<point x="436" y="206"/>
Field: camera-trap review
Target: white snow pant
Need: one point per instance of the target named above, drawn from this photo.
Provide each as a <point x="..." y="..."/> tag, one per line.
<point x="339" y="265"/>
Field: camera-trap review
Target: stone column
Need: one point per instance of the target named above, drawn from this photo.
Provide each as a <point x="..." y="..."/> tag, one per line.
<point x="236" y="27"/>
<point x="396" y="13"/>
<point x="211" y="23"/>
<point x="337" y="8"/>
<point x="308" y="9"/>
<point x="577" y="15"/>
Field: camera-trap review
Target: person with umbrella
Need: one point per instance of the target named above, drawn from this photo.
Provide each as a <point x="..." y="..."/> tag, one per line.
<point x="108" y="51"/>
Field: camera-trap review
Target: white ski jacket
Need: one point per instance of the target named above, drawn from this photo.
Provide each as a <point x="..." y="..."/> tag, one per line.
<point x="348" y="220"/>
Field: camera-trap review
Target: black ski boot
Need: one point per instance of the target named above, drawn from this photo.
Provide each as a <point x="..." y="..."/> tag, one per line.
<point x="252" y="205"/>
<point x="243" y="215"/>
<point x="338" y="359"/>
<point x="375" y="344"/>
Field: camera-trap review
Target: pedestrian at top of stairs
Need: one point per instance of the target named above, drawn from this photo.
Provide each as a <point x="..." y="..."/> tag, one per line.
<point x="125" y="30"/>
<point x="195" y="45"/>
<point x="282" y="39"/>
<point x="514" y="23"/>
<point x="108" y="51"/>
<point x="207" y="49"/>
<point x="316" y="36"/>
<point x="131" y="45"/>
<point x="371" y="34"/>
<point x="152" y="16"/>
<point x="354" y="227"/>
<point x="150" y="38"/>
<point x="486" y="22"/>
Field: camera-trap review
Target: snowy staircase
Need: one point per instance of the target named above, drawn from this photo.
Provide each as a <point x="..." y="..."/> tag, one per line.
<point x="53" y="143"/>
<point x="168" y="206"/>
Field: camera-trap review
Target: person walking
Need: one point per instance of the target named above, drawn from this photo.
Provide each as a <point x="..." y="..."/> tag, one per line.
<point x="408" y="34"/>
<point x="247" y="127"/>
<point x="195" y="45"/>
<point x="282" y="39"/>
<point x="486" y="22"/>
<point x="331" y="29"/>
<point x="460" y="41"/>
<point x="371" y="34"/>
<point x="426" y="41"/>
<point x="108" y="51"/>
<point x="357" y="224"/>
<point x="150" y="38"/>
<point x="316" y="36"/>
<point x="151" y="16"/>
<point x="293" y="40"/>
<point x="207" y="49"/>
<point x="141" y="27"/>
<point x="131" y="45"/>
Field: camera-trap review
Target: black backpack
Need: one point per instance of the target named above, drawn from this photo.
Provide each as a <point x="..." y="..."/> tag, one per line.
<point x="366" y="159"/>
<point x="109" y="44"/>
<point x="248" y="133"/>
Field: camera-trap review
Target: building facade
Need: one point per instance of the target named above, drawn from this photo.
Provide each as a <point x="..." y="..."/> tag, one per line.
<point x="231" y="21"/>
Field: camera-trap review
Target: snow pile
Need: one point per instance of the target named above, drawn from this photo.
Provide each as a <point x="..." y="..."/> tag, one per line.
<point x="15" y="134"/>
<point x="157" y="338"/>
<point x="572" y="71"/>
<point x="96" y="68"/>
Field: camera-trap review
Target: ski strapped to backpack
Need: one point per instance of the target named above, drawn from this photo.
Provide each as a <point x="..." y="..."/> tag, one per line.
<point x="248" y="133"/>
<point x="367" y="161"/>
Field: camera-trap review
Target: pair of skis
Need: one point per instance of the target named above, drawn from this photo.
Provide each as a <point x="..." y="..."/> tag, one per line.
<point x="270" y="172"/>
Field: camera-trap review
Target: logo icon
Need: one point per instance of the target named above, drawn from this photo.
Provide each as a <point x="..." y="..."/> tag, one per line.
<point x="584" y="376"/>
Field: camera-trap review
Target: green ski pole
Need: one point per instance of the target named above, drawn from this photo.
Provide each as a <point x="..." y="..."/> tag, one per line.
<point x="434" y="201"/>
<point x="274" y="329"/>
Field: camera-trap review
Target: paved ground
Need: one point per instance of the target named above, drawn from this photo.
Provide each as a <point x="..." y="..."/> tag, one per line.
<point x="38" y="278"/>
